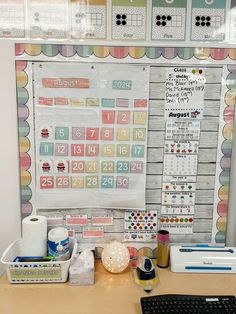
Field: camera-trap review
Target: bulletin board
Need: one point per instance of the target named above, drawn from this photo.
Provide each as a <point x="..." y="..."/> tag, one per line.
<point x="191" y="201"/>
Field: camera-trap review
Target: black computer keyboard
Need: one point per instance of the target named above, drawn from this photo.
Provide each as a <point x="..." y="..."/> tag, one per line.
<point x="189" y="304"/>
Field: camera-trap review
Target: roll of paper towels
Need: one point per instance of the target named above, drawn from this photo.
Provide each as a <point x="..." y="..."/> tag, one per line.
<point x="34" y="234"/>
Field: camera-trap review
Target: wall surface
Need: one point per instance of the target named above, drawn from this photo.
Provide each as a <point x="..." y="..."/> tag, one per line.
<point x="9" y="165"/>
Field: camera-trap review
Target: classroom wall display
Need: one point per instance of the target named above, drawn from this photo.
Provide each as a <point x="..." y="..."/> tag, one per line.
<point x="199" y="209"/>
<point x="156" y="21"/>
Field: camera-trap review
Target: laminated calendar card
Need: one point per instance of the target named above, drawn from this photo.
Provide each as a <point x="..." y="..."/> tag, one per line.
<point x="12" y="18"/>
<point x="48" y="19"/>
<point x="88" y="19"/>
<point x="90" y="134"/>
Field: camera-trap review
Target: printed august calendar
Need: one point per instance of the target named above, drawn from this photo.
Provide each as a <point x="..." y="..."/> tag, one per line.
<point x="90" y="134"/>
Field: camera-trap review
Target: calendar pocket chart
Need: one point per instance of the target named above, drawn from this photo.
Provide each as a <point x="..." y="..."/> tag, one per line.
<point x="92" y="153"/>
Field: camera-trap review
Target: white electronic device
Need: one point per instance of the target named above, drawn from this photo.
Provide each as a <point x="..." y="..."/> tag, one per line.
<point x="203" y="259"/>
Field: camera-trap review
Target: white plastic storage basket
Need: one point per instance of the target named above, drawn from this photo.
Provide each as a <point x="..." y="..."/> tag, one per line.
<point x="34" y="272"/>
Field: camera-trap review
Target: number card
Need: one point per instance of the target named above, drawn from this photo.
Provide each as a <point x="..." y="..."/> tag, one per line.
<point x="129" y="19"/>
<point x="77" y="182"/>
<point x="208" y="20"/>
<point x="91" y="134"/>
<point x="48" y="19"/>
<point x="88" y="20"/>
<point x="168" y="19"/>
<point x="12" y="19"/>
<point x="46" y="182"/>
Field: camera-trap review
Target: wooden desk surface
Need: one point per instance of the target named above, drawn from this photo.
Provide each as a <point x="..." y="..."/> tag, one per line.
<point x="111" y="293"/>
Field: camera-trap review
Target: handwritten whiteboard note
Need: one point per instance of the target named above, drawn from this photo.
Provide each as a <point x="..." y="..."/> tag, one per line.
<point x="184" y="93"/>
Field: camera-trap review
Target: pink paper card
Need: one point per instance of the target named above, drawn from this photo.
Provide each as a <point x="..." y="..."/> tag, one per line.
<point x="76" y="220"/>
<point x="93" y="232"/>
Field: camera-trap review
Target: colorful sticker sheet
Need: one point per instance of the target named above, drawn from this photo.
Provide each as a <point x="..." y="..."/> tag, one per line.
<point x="90" y="134"/>
<point x="184" y="105"/>
<point x="140" y="225"/>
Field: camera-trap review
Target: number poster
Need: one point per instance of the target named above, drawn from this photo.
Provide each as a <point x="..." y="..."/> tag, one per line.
<point x="90" y="134"/>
